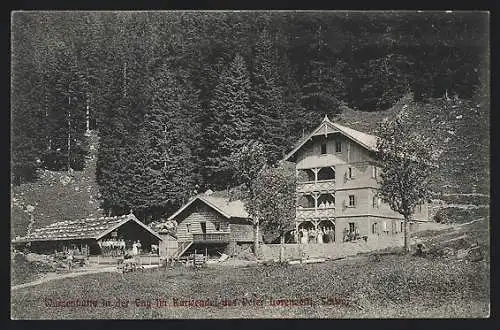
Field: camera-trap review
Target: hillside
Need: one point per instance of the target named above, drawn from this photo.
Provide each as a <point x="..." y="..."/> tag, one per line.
<point x="459" y="127"/>
<point x="56" y="196"/>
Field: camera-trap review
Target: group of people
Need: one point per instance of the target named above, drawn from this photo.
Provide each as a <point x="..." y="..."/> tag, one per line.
<point x="351" y="235"/>
<point x="326" y="204"/>
<point x="112" y="247"/>
<point x="319" y="235"/>
<point x="115" y="247"/>
<point x="322" y="205"/>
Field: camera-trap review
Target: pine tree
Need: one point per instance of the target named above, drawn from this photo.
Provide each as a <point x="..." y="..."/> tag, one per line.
<point x="162" y="166"/>
<point x="27" y="101"/>
<point x="230" y="126"/>
<point x="324" y="87"/>
<point x="298" y="119"/>
<point x="267" y="99"/>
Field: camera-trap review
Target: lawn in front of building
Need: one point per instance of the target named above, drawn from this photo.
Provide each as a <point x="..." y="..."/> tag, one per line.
<point x="394" y="286"/>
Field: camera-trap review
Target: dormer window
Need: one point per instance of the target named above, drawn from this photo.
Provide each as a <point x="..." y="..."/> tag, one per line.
<point x="338" y="146"/>
<point x="323" y="148"/>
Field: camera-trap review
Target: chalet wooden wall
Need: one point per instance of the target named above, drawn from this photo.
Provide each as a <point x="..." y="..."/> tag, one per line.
<point x="199" y="212"/>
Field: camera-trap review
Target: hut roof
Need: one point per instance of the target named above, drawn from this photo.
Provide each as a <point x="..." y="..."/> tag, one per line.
<point x="223" y="205"/>
<point x="89" y="228"/>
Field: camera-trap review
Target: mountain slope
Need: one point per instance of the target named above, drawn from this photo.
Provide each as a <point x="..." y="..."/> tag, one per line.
<point x="459" y="128"/>
<point x="56" y="196"/>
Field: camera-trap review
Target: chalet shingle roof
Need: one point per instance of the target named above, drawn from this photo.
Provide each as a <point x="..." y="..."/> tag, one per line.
<point x="223" y="205"/>
<point x="89" y="228"/>
<point x="367" y="141"/>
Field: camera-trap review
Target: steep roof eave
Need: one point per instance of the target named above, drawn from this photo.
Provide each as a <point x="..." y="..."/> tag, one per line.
<point x="317" y="129"/>
<point x="179" y="211"/>
<point x="127" y="219"/>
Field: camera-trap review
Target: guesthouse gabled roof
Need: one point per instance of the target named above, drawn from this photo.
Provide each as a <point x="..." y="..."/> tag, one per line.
<point x="223" y="205"/>
<point x="89" y="228"/>
<point x="367" y="141"/>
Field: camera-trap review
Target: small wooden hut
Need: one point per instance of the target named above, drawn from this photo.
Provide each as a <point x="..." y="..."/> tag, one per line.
<point x="91" y="236"/>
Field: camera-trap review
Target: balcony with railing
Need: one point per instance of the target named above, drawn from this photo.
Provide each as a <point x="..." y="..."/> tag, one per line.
<point x="223" y="237"/>
<point x="313" y="213"/>
<point x="316" y="186"/>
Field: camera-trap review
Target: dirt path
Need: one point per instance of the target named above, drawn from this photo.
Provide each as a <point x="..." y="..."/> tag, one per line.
<point x="54" y="276"/>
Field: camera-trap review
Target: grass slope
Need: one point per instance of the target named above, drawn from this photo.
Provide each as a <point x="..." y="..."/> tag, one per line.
<point x="460" y="128"/>
<point x="56" y="196"/>
<point x="396" y="286"/>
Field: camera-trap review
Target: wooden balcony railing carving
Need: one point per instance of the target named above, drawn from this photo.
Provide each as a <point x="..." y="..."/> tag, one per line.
<point x="311" y="213"/>
<point x="211" y="237"/>
<point x="316" y="186"/>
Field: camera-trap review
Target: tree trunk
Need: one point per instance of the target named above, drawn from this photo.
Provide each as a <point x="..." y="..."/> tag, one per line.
<point x="69" y="134"/>
<point x="282" y="247"/>
<point x="256" y="239"/>
<point x="406" y="247"/>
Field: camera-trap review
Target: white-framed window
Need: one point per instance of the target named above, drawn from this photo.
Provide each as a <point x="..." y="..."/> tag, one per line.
<point x="217" y="226"/>
<point x="338" y="146"/>
<point x="374" y="172"/>
<point x="352" y="201"/>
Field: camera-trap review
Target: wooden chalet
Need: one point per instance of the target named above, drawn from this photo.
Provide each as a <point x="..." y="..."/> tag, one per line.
<point x="213" y="225"/>
<point x="89" y="235"/>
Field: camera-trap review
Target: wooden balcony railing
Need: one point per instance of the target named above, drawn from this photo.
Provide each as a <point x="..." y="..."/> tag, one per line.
<point x="312" y="213"/>
<point x="316" y="186"/>
<point x="212" y="237"/>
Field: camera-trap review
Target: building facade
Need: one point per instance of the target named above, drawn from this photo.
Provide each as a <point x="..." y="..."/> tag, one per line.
<point x="337" y="184"/>
<point x="213" y="225"/>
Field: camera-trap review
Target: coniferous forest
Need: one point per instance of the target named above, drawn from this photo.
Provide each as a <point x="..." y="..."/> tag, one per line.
<point x="173" y="95"/>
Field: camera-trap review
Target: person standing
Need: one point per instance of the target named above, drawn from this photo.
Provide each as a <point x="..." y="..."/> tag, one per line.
<point x="69" y="259"/>
<point x="135" y="250"/>
<point x="320" y="236"/>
